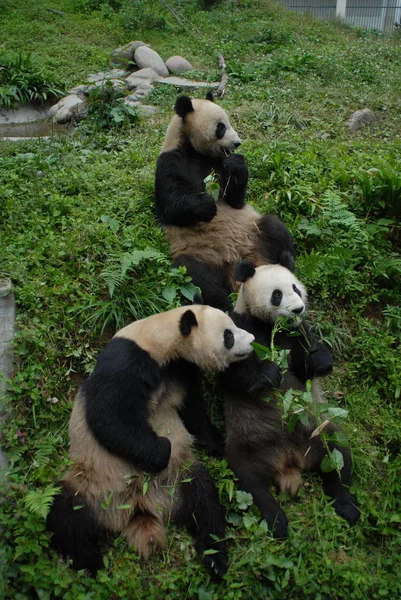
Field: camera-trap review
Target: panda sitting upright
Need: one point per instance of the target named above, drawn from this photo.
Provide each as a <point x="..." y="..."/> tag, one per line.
<point x="259" y="447"/>
<point x="132" y="464"/>
<point x="206" y="236"/>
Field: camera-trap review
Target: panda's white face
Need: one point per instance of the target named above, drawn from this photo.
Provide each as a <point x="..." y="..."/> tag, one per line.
<point x="272" y="292"/>
<point x="215" y="341"/>
<point x="208" y="129"/>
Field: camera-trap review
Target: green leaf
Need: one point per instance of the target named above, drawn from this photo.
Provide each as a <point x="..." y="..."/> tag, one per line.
<point x="169" y="293"/>
<point x="249" y="520"/>
<point x="234" y="519"/>
<point x="78" y="507"/>
<point x="244" y="499"/>
<point x="332" y="462"/>
<point x="124" y="506"/>
<point x="188" y="290"/>
<point x="145" y="487"/>
<point x="336" y="411"/>
<point x="261" y="351"/>
<point x="210" y="551"/>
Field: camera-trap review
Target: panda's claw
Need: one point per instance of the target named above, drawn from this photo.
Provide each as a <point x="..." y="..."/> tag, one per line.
<point x="217" y="564"/>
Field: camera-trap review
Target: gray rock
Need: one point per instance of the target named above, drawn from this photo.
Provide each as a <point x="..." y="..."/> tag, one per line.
<point x="63" y="111"/>
<point x="178" y="64"/>
<point x="148" y="74"/>
<point x="146" y="57"/>
<point x="67" y="101"/>
<point x="112" y="74"/>
<point x="360" y="118"/>
<point x="22" y="114"/>
<point x="116" y="83"/>
<point x="186" y="83"/>
<point x="79" y="90"/>
<point x="148" y="110"/>
<point x="135" y="83"/>
<point x="124" y="56"/>
<point x="144" y="109"/>
<point x="142" y="90"/>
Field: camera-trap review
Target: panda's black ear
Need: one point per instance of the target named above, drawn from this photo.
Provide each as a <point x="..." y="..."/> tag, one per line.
<point x="187" y="321"/>
<point x="183" y="106"/>
<point x="287" y="260"/>
<point x="244" y="271"/>
<point x="209" y="96"/>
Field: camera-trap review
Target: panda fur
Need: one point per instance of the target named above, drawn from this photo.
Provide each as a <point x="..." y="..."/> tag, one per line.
<point x="259" y="449"/>
<point x="125" y="430"/>
<point x="206" y="236"/>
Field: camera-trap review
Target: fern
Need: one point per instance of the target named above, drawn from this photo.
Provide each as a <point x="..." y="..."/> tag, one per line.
<point x="115" y="274"/>
<point x="46" y="447"/>
<point x="337" y="214"/>
<point x="39" y="502"/>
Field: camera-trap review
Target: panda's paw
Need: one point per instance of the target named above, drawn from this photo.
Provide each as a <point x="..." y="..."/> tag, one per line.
<point x="234" y="165"/>
<point x="279" y="526"/>
<point x="216" y="563"/>
<point x="272" y="374"/>
<point x="347" y="509"/>
<point x="320" y="360"/>
<point x="269" y="377"/>
<point x="207" y="209"/>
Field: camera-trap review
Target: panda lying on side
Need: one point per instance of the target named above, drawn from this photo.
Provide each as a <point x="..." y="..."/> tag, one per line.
<point x="259" y="449"/>
<point x="206" y="236"/>
<point x="129" y="448"/>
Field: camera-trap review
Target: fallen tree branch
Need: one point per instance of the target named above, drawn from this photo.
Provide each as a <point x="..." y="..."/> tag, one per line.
<point x="221" y="90"/>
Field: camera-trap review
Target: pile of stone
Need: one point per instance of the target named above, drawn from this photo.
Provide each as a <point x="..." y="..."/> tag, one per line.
<point x="135" y="69"/>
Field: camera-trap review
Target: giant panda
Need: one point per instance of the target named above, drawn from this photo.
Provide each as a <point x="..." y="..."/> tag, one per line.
<point x="205" y="236"/>
<point x="132" y="466"/>
<point x="260" y="449"/>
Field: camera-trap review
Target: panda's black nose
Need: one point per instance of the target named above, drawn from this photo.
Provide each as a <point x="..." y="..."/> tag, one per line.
<point x="236" y="144"/>
<point x="298" y="311"/>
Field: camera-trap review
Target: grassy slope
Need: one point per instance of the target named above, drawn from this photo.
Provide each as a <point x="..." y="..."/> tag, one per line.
<point x="293" y="82"/>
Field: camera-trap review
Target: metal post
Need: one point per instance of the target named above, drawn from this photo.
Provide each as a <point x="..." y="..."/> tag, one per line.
<point x="7" y="330"/>
<point x="341" y="7"/>
<point x="389" y="15"/>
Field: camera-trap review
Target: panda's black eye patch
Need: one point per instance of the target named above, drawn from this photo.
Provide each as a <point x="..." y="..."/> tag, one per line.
<point x="296" y="290"/>
<point x="228" y="339"/>
<point x="277" y="296"/>
<point x="220" y="130"/>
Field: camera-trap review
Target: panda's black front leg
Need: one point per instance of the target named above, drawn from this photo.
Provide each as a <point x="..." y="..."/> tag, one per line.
<point x="251" y="375"/>
<point x="199" y="511"/>
<point x="195" y="417"/>
<point x="309" y="358"/>
<point x="235" y="180"/>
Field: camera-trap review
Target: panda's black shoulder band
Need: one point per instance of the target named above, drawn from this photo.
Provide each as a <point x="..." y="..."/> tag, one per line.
<point x="287" y="260"/>
<point x="187" y="321"/>
<point x="244" y="270"/>
<point x="183" y="106"/>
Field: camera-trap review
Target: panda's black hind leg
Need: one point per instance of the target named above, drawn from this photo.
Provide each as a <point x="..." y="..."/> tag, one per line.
<point x="255" y="478"/>
<point x="199" y="511"/>
<point x="76" y="532"/>
<point x="210" y="279"/>
<point x="334" y="485"/>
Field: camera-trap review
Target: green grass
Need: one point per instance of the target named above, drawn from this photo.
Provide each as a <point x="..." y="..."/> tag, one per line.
<point x="79" y="239"/>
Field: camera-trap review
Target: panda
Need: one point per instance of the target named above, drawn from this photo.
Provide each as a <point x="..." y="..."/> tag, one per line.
<point x="259" y="448"/>
<point x="132" y="466"/>
<point x="205" y="236"/>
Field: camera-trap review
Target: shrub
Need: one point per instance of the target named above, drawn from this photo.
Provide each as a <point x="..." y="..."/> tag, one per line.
<point x="22" y="79"/>
<point x="106" y="108"/>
